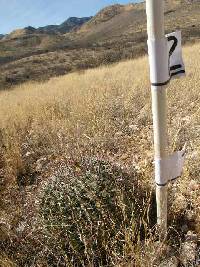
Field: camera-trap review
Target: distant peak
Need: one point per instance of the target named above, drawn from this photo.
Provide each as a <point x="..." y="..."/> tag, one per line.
<point x="30" y="28"/>
<point x="76" y="21"/>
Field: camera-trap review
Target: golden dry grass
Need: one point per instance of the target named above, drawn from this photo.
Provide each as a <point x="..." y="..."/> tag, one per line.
<point x="106" y="113"/>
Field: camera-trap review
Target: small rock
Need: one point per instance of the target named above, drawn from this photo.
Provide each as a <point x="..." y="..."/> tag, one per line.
<point x="190" y="236"/>
<point x="193" y="185"/>
<point x="171" y="262"/>
<point x="189" y="249"/>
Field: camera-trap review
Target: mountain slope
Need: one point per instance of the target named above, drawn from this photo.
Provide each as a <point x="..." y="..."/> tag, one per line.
<point x="116" y="32"/>
<point x="129" y="22"/>
<point x="114" y="23"/>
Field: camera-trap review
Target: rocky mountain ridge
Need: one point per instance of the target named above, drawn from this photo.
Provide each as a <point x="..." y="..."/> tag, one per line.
<point x="68" y="25"/>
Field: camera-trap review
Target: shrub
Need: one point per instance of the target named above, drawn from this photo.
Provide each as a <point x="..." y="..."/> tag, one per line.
<point x="87" y="211"/>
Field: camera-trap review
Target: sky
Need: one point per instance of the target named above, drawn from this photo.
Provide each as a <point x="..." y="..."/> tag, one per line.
<point x="16" y="14"/>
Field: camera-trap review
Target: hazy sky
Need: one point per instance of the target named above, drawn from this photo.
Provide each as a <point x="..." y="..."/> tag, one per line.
<point x="21" y="13"/>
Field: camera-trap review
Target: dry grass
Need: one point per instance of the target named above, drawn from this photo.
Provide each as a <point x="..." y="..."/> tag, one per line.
<point x="102" y="114"/>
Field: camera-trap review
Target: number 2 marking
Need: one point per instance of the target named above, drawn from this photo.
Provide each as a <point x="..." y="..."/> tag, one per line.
<point x="171" y="51"/>
<point x="175" y="43"/>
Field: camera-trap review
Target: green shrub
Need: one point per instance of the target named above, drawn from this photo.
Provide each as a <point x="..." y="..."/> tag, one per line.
<point x="88" y="210"/>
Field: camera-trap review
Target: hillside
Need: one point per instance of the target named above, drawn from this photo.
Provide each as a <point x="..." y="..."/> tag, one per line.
<point x="77" y="186"/>
<point x="117" y="32"/>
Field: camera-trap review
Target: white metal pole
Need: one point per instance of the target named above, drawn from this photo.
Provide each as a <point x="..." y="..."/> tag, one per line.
<point x="156" y="33"/>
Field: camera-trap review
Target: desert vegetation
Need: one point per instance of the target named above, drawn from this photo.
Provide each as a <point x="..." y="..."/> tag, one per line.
<point x="76" y="170"/>
<point x="114" y="33"/>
